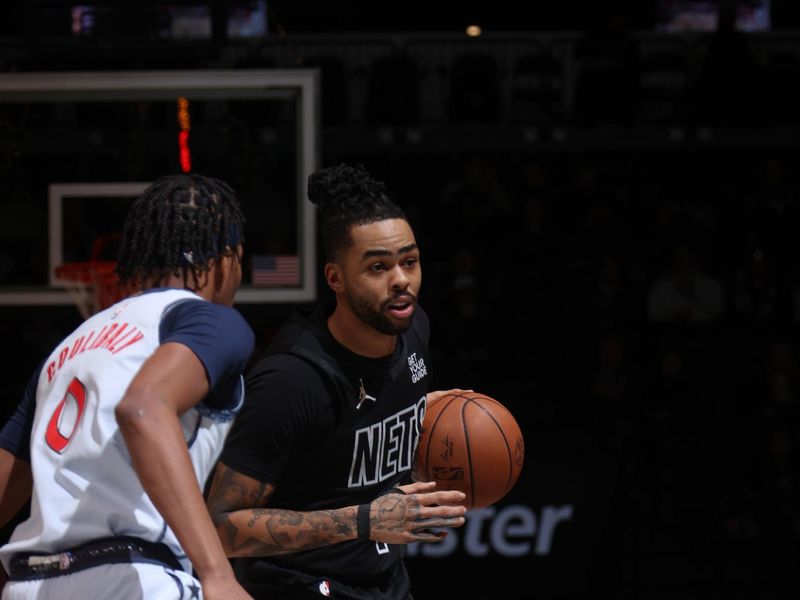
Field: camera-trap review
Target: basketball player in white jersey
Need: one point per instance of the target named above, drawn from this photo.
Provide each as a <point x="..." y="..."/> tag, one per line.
<point x="120" y="426"/>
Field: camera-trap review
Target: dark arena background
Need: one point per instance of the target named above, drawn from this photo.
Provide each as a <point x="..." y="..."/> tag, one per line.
<point x="606" y="199"/>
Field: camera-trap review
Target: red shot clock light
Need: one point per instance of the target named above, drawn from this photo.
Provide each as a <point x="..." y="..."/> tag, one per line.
<point x="185" y="125"/>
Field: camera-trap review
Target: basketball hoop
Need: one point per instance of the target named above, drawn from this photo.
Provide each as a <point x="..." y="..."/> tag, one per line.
<point x="92" y="284"/>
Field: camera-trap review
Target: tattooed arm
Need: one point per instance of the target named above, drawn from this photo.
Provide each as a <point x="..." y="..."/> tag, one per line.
<point x="248" y="527"/>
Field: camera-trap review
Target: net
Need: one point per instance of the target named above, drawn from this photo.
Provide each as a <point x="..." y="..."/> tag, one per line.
<point x="92" y="284"/>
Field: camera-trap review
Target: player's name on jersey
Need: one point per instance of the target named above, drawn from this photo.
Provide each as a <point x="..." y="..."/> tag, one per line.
<point x="114" y="337"/>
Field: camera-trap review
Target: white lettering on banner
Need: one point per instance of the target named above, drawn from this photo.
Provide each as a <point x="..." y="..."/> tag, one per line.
<point x="511" y="531"/>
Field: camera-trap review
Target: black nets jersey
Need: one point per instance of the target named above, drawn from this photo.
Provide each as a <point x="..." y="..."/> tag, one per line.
<point x="328" y="429"/>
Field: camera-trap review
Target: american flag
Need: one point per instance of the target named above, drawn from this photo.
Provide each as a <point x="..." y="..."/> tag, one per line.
<point x="276" y="270"/>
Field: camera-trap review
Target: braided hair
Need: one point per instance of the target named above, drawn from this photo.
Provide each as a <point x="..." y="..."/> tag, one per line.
<point x="175" y="227"/>
<point x="348" y="196"/>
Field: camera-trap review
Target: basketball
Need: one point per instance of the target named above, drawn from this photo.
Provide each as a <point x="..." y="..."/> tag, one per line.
<point x="470" y="442"/>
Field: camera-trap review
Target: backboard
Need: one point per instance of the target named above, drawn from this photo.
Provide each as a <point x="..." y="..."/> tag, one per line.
<point x="78" y="147"/>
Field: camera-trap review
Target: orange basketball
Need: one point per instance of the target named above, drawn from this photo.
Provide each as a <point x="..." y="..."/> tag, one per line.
<point x="472" y="443"/>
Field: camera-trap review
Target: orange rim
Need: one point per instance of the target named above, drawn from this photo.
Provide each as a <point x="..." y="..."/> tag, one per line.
<point x="93" y="273"/>
<point x="85" y="271"/>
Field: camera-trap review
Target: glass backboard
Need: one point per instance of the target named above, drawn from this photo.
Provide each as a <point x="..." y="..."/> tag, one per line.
<point x="76" y="148"/>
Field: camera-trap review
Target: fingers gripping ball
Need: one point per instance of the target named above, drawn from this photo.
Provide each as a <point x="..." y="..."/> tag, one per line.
<point x="471" y="443"/>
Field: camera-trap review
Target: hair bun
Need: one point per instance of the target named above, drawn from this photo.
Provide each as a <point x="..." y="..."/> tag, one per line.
<point x="319" y="186"/>
<point x="340" y="185"/>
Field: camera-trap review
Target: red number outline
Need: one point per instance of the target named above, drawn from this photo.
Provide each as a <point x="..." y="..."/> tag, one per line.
<point x="53" y="436"/>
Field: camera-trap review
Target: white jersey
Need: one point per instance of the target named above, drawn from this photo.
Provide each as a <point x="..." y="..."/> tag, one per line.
<point x="85" y="486"/>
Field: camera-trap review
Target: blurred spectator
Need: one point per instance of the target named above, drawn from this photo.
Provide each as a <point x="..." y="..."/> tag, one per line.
<point x="778" y="189"/>
<point x="782" y="383"/>
<point x="462" y="329"/>
<point x="772" y="212"/>
<point x="531" y="241"/>
<point x="614" y="297"/>
<point x="610" y="379"/>
<point x="684" y="293"/>
<point x="679" y="211"/>
<point x="463" y="269"/>
<point x="671" y="425"/>
<point x="759" y="295"/>
<point x="533" y="194"/>
<point x="476" y="203"/>
<point x="779" y="515"/>
<point x="589" y="217"/>
<point x="672" y="392"/>
<point x="477" y="194"/>
<point x="613" y="390"/>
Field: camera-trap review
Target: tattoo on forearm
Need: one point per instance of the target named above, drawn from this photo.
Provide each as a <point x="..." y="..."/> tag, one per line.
<point x="256" y="515"/>
<point x="247" y="528"/>
<point x="230" y="490"/>
<point x="275" y="531"/>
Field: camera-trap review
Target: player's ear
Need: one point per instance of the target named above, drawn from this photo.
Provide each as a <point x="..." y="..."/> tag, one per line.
<point x="334" y="277"/>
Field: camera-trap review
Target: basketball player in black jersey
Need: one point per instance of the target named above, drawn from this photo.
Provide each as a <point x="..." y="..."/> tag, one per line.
<point x="313" y="494"/>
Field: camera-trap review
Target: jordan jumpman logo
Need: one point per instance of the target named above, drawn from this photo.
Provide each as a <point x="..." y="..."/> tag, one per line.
<point x="363" y="395"/>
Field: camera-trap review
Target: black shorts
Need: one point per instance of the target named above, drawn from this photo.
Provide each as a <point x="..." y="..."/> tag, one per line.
<point x="266" y="581"/>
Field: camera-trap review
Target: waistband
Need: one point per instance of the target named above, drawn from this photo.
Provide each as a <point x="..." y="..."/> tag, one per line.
<point x="25" y="566"/>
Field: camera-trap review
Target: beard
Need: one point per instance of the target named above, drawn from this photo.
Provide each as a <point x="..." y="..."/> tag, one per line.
<point x="377" y="319"/>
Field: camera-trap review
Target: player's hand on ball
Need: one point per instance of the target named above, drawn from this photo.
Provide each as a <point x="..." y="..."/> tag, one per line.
<point x="402" y="518"/>
<point x="434" y="397"/>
